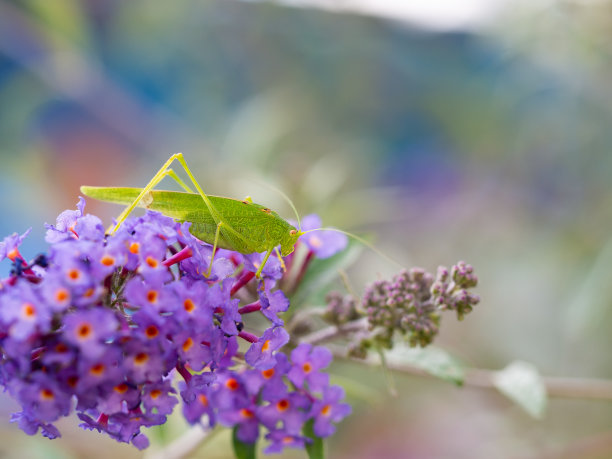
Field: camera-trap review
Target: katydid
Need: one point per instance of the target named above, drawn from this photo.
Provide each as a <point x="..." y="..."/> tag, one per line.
<point x="242" y="226"/>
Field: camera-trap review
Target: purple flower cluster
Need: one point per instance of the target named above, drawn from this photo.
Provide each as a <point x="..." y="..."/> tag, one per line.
<point x="105" y="323"/>
<point x="281" y="398"/>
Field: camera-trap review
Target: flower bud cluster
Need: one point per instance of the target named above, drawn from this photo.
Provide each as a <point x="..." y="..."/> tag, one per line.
<point x="403" y="304"/>
<point x="409" y="304"/>
<point x="340" y="308"/>
<point x="451" y="291"/>
<point x="104" y="323"/>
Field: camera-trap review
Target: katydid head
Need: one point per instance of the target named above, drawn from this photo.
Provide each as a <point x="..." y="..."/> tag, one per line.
<point x="290" y="234"/>
<point x="289" y="240"/>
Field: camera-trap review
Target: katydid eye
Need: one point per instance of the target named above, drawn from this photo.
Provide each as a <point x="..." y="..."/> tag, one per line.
<point x="293" y="232"/>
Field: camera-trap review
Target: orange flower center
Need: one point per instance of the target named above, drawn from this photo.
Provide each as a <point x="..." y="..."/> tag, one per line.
<point x="152" y="331"/>
<point x="107" y="260"/>
<point x="152" y="262"/>
<point x="316" y="242"/>
<point x="203" y="399"/>
<point x="267" y="374"/>
<point x="188" y="344"/>
<point x="307" y="367"/>
<point x="28" y="311"/>
<point x="97" y="369"/>
<point x="189" y="305"/>
<point x="246" y="413"/>
<point x="84" y="331"/>
<point x="265" y="346"/>
<point x="326" y="410"/>
<point x="134" y="248"/>
<point x="232" y="384"/>
<point x="282" y="405"/>
<point x="47" y="394"/>
<point x="141" y="358"/>
<point x="121" y="388"/>
<point x="74" y="274"/>
<point x="152" y="296"/>
<point x="61" y="295"/>
<point x="155" y="393"/>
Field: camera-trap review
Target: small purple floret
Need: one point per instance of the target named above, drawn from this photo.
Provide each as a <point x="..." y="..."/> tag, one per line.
<point x="261" y="354"/>
<point x="323" y="243"/>
<point x="307" y="361"/>
<point x="11" y="244"/>
<point x="329" y="410"/>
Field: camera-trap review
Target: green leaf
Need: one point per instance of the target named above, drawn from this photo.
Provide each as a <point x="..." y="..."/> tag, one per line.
<point x="432" y="360"/>
<point x="521" y="383"/>
<point x="315" y="449"/>
<point x="322" y="272"/>
<point x="242" y="450"/>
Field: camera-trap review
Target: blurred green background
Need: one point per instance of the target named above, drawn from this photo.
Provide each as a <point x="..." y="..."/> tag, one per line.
<point x="488" y="142"/>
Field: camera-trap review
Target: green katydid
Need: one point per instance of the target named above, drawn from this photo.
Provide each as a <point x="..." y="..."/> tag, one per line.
<point x="242" y="226"/>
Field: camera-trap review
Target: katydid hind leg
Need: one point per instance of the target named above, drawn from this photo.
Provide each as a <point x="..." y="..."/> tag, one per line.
<point x="170" y="173"/>
<point x="164" y="171"/>
<point x="216" y="215"/>
<point x="161" y="173"/>
<point x="218" y="218"/>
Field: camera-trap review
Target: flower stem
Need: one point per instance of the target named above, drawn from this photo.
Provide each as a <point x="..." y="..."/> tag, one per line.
<point x="183" y="372"/>
<point x="334" y="331"/>
<point x="303" y="269"/>
<point x="250" y="337"/>
<point x="256" y="306"/>
<point x="179" y="256"/>
<point x="244" y="279"/>
<point x="558" y="387"/>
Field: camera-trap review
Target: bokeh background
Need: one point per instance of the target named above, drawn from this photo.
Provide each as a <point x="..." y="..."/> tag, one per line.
<point x="481" y="133"/>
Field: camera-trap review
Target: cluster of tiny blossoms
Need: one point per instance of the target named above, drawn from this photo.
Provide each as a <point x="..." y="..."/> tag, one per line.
<point x="106" y="324"/>
<point x="410" y="304"/>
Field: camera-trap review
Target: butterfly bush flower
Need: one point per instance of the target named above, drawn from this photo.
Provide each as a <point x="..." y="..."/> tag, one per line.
<point x="9" y="247"/>
<point x="329" y="410"/>
<point x="307" y="361"/>
<point x="322" y="243"/>
<point x="65" y="223"/>
<point x="261" y="353"/>
<point x="121" y="327"/>
<point x="279" y="440"/>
